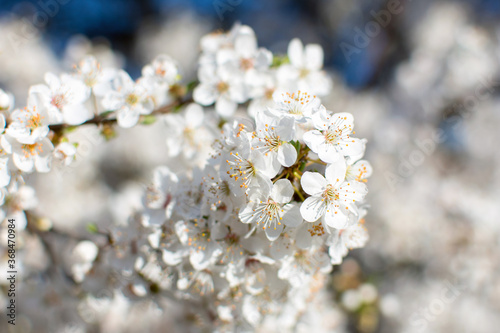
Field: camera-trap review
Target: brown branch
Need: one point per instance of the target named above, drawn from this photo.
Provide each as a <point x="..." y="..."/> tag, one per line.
<point x="100" y="120"/>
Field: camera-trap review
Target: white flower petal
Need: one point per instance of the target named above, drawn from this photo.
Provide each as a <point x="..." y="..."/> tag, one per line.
<point x="245" y="43"/>
<point x="292" y="217"/>
<point x="314" y="139"/>
<point x="313" y="183"/>
<point x="76" y="114"/>
<point x="328" y="153"/>
<point x="352" y="191"/>
<point x="247" y="214"/>
<point x="43" y="163"/>
<point x="4" y="172"/>
<point x="352" y="147"/>
<point x="273" y="233"/>
<point x="173" y="147"/>
<point x="194" y="115"/>
<point x="52" y="81"/>
<point x="296" y="52"/>
<point x="282" y="191"/>
<point x="25" y="164"/>
<point x="360" y="170"/>
<point x="266" y="166"/>
<point x="343" y="121"/>
<point x="225" y="107"/>
<point x="312" y="209"/>
<point x="287" y="154"/>
<point x="304" y="238"/>
<point x="127" y="117"/>
<point x="172" y="258"/>
<point x="337" y="251"/>
<point x="112" y="101"/>
<point x="205" y="94"/>
<point x="335" y="172"/>
<point x="281" y="248"/>
<point x="335" y="218"/>
<point x="314" y="57"/>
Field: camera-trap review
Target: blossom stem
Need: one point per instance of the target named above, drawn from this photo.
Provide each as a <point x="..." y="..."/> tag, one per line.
<point x="298" y="192"/>
<point x="280" y="176"/>
<point x="304" y="150"/>
<point x="311" y="162"/>
<point x="100" y="120"/>
<point x="94" y="100"/>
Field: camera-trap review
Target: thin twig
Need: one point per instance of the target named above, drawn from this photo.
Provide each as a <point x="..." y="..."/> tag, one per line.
<point x="100" y="120"/>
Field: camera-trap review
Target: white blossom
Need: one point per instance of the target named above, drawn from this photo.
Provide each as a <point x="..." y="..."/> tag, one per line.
<point x="273" y="136"/>
<point x="187" y="135"/>
<point x="331" y="196"/>
<point x="64" y="99"/>
<point x="331" y="139"/>
<point x="30" y="124"/>
<point x="299" y="105"/>
<point x="65" y="152"/>
<point x="28" y="157"/>
<point x="129" y="99"/>
<point x="271" y="211"/>
<point x="304" y="71"/>
<point x="6" y="101"/>
<point x="220" y="228"/>
<point x="97" y="79"/>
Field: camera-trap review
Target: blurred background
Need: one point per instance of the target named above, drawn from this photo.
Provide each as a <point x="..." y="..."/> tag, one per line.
<point x="422" y="80"/>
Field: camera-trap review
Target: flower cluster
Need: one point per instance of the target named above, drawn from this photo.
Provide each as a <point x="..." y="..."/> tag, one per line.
<point x="33" y="137"/>
<point x="278" y="204"/>
<point x="233" y="70"/>
<point x="252" y="231"/>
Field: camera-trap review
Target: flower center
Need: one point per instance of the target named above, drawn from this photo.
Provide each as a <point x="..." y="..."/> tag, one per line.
<point x="222" y="87"/>
<point x="90" y="80"/>
<point x="35" y="121"/>
<point x="357" y="176"/>
<point x="296" y="102"/>
<point x="31" y="150"/>
<point x="4" y="101"/>
<point x="241" y="168"/>
<point x="132" y="99"/>
<point x="316" y="230"/>
<point x="232" y="238"/>
<point x="58" y="100"/>
<point x="269" y="93"/>
<point x="331" y="136"/>
<point x="246" y="64"/>
<point x="160" y="71"/>
<point x="224" y="188"/>
<point x="200" y="240"/>
<point x="331" y="194"/>
<point x="272" y="142"/>
<point x="269" y="214"/>
<point x="189" y="135"/>
<point x="304" y="72"/>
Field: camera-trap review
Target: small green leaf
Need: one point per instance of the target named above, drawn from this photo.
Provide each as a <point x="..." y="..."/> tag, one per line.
<point x="302" y="166"/>
<point x="148" y="119"/>
<point x="106" y="113"/>
<point x="279" y="60"/>
<point x="191" y="85"/>
<point x="296" y="144"/>
<point x="177" y="108"/>
<point x="92" y="228"/>
<point x="108" y="132"/>
<point x="221" y="123"/>
<point x="69" y="129"/>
